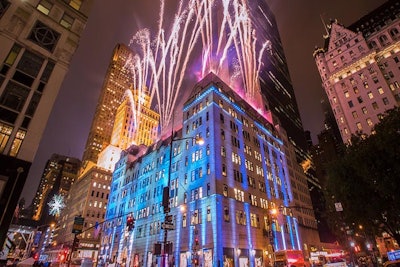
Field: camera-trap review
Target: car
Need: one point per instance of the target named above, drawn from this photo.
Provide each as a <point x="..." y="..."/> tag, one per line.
<point x="395" y="263"/>
<point x="81" y="262"/>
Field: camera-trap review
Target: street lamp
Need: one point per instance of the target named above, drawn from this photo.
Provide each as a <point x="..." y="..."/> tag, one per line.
<point x="165" y="201"/>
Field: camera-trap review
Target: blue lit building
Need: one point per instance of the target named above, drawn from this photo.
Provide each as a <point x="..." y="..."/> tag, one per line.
<point x="221" y="193"/>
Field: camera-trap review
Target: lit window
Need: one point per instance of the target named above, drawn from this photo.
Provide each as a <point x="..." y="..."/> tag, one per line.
<point x="369" y="122"/>
<point x="359" y="126"/>
<point x="370" y="95"/>
<point x="364" y="110"/>
<point x="44" y="7"/>
<point x="240" y="217"/>
<point x="76" y="4"/>
<point x="354" y="113"/>
<point x="66" y="21"/>
<point x="16" y="145"/>
<point x="184" y="220"/>
<point x="380" y="90"/>
<point x="346" y="94"/>
<point x="5" y="133"/>
<point x="225" y="190"/>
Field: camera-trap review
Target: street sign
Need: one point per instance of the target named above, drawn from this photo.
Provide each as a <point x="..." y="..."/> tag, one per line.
<point x="338" y="206"/>
<point x="167" y="226"/>
<point x="78" y="225"/>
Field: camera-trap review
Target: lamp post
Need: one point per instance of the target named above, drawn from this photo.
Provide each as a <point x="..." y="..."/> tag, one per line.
<point x="165" y="201"/>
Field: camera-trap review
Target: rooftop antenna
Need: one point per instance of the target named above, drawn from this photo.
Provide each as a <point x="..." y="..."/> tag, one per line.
<point x="325" y="27"/>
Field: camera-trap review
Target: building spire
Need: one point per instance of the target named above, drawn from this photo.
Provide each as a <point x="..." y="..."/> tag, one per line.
<point x="325" y="27"/>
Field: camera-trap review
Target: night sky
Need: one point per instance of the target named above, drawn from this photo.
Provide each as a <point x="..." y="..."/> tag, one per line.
<point x="110" y="22"/>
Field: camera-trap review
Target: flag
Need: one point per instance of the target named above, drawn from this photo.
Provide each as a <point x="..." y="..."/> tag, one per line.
<point x="97" y="229"/>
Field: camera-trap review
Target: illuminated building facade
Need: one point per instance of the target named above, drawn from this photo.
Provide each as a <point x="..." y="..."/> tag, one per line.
<point x="37" y="41"/>
<point x="118" y="79"/>
<point x="88" y="197"/>
<point x="59" y="174"/>
<point x="135" y="122"/>
<point x="221" y="193"/>
<point x="359" y="68"/>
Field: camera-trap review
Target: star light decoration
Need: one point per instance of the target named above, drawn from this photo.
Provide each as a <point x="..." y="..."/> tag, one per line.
<point x="56" y="205"/>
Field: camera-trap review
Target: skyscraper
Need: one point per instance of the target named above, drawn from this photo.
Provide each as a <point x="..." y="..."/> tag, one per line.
<point x="135" y="122"/>
<point x="117" y="81"/>
<point x="359" y="68"/>
<point x="275" y="83"/>
<point x="59" y="174"/>
<point x="37" y="40"/>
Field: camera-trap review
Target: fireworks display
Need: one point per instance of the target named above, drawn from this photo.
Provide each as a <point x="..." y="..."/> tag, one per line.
<point x="214" y="35"/>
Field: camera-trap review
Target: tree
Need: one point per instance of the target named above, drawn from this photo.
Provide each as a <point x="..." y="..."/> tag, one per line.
<point x="366" y="179"/>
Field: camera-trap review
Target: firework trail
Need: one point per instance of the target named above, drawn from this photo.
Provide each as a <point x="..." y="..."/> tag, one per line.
<point x="160" y="63"/>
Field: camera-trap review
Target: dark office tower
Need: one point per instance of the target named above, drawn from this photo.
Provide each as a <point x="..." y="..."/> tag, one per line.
<point x="58" y="175"/>
<point x="37" y="42"/>
<point x="276" y="86"/>
<point x="116" y="82"/>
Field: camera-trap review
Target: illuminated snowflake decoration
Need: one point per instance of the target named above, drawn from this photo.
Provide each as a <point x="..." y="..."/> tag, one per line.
<point x="56" y="205"/>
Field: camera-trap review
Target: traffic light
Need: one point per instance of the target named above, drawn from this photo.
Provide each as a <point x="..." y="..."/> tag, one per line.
<point x="130" y="223"/>
<point x="196" y="241"/>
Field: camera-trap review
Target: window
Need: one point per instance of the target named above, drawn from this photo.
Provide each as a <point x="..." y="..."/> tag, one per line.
<point x="223" y="169"/>
<point x="223" y="151"/>
<point x="5" y="133"/>
<point x="359" y="126"/>
<point x="354" y="113"/>
<point x="16" y="145"/>
<point x="385" y="101"/>
<point x="370" y="95"/>
<point x="253" y="199"/>
<point x="76" y="4"/>
<point x="44" y="7"/>
<point x="226" y="214"/>
<point x="375" y="106"/>
<point x="364" y="110"/>
<point x="369" y="122"/>
<point x="14" y="96"/>
<point x="240" y="217"/>
<point x="380" y="90"/>
<point x="350" y="104"/>
<point x="195" y="217"/>
<point x="66" y="21"/>
<point x="208" y="214"/>
<point x="254" y="220"/>
<point x="238" y="176"/>
<point x="225" y="190"/>
<point x="239" y="195"/>
<point x="44" y="36"/>
<point x="346" y="94"/>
